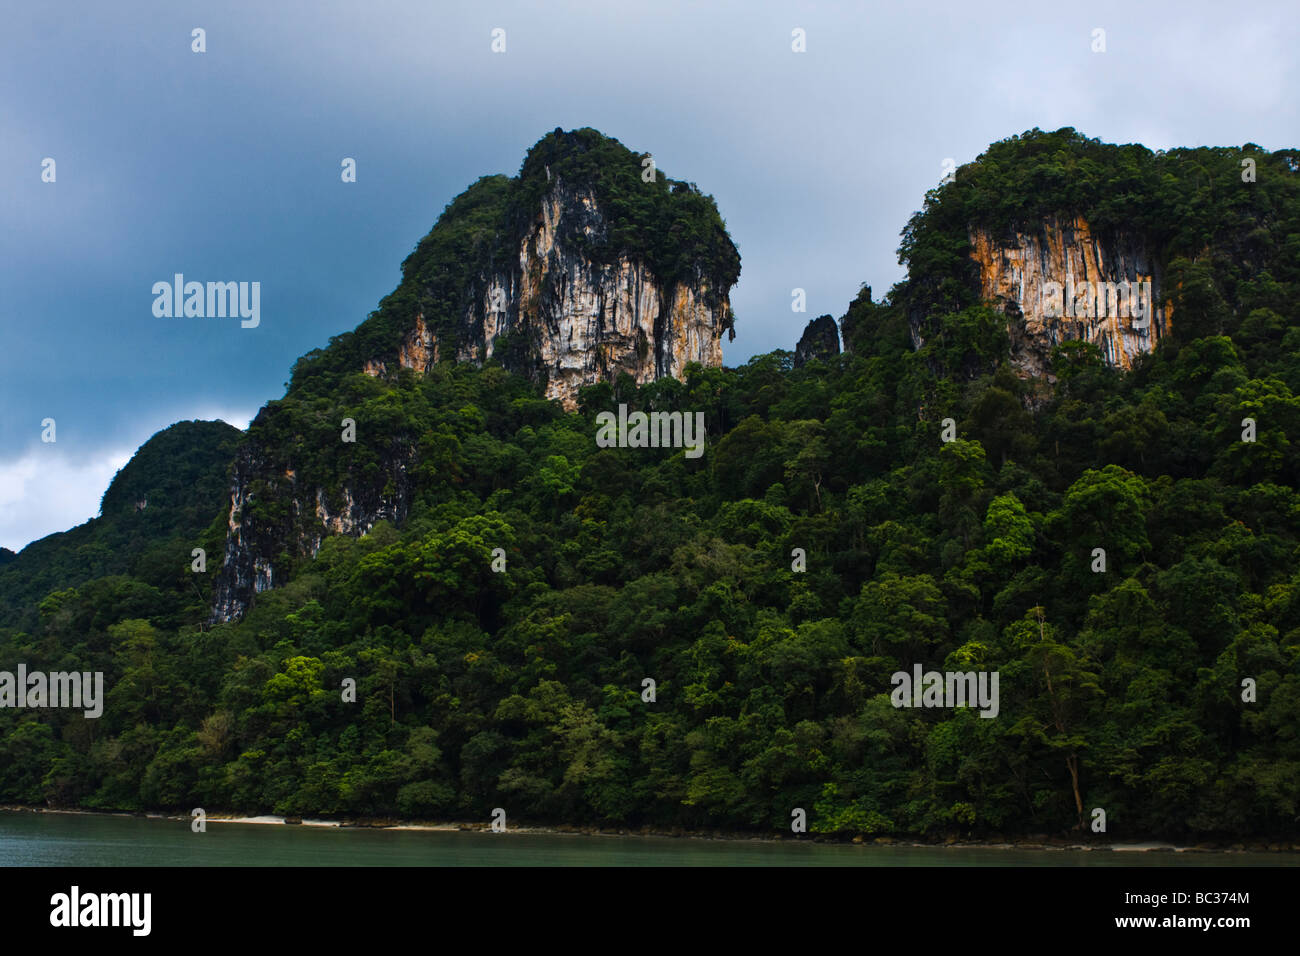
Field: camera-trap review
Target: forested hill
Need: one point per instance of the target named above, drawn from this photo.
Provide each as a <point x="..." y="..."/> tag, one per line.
<point x="501" y="634"/>
<point x="587" y="266"/>
<point x="1212" y="229"/>
<point x="1231" y="245"/>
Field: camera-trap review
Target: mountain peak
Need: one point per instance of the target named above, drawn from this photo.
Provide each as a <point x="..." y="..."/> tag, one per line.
<point x="588" y="264"/>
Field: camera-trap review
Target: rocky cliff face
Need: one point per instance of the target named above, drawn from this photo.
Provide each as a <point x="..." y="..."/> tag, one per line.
<point x="418" y="351"/>
<point x="275" y="517"/>
<point x="583" y="320"/>
<point x="586" y="265"/>
<point x="1060" y="282"/>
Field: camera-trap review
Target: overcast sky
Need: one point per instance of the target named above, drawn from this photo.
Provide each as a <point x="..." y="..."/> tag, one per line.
<point x="225" y="165"/>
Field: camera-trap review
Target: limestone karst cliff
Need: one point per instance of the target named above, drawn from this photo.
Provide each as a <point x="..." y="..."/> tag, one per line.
<point x="274" y="517"/>
<point x="587" y="265"/>
<point x="1059" y="281"/>
<point x="590" y="319"/>
<point x="1069" y="239"/>
<point x="582" y="319"/>
<point x="1054" y="279"/>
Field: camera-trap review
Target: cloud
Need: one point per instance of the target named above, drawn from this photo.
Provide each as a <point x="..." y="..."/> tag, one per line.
<point x="241" y="418"/>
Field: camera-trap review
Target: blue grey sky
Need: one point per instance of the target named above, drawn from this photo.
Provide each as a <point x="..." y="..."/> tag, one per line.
<point x="224" y="165"/>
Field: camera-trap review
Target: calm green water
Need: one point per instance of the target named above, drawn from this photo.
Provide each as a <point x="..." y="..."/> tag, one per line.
<point x="56" y="839"/>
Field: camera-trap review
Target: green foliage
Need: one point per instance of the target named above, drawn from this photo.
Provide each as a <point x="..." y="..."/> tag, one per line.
<point x="1218" y="238"/>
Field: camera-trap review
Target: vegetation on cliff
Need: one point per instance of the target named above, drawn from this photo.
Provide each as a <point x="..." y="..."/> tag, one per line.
<point x="1228" y="247"/>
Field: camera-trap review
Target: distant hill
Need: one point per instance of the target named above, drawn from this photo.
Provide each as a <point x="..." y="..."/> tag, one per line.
<point x="151" y="516"/>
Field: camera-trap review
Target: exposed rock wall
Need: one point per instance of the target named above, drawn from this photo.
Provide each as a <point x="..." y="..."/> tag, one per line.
<point x="275" y="516"/>
<point x="1017" y="272"/>
<point x="582" y="320"/>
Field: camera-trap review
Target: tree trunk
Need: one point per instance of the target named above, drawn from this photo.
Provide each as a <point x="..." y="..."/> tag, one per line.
<point x="1072" y="762"/>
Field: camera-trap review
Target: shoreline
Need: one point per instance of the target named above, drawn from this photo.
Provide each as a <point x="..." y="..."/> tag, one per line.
<point x="1037" y="842"/>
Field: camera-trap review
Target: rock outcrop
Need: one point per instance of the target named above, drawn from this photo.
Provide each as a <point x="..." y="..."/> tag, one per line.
<point x="589" y="320"/>
<point x="587" y="265"/>
<point x="274" y="515"/>
<point x="1060" y="281"/>
<point x="820" y="340"/>
<point x="579" y="319"/>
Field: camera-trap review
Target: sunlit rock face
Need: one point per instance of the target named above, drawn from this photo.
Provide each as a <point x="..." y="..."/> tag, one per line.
<point x="582" y="321"/>
<point x="1059" y="282"/>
